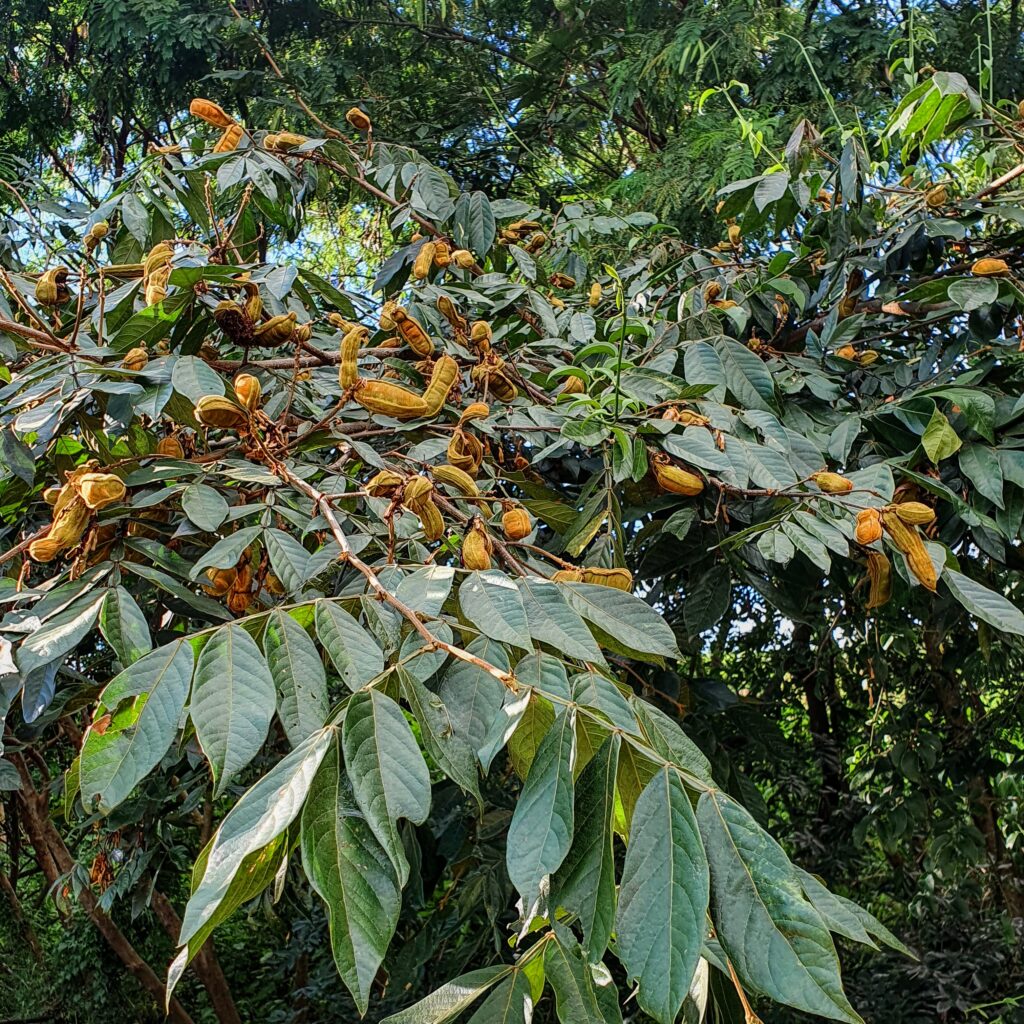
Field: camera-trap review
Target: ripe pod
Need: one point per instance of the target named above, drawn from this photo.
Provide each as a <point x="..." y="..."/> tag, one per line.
<point x="431" y="520"/>
<point x="381" y="396"/>
<point x="451" y="314"/>
<point x="44" y="549"/>
<point x="880" y="578"/>
<point x="248" y="390"/>
<point x="515" y="523"/>
<point x="620" y="579"/>
<point x="990" y="268"/>
<point x="359" y="120"/>
<point x="846" y="352"/>
<point x="463" y="258"/>
<point x="832" y="483"/>
<point x="417" y="489"/>
<point x="442" y="254"/>
<point x="594" y="298"/>
<point x="573" y="386"/>
<point x="914" y="513"/>
<point x="536" y="242"/>
<point x="735" y="234"/>
<point x="465" y="452"/>
<point x="442" y="380"/>
<point x="908" y="540"/>
<point x="869" y="526"/>
<point x="412" y="332"/>
<point x="711" y="291"/>
<point x="70" y="523"/>
<point x="209" y="112"/>
<point x="51" y="495"/>
<point x="285" y="141"/>
<point x="170" y="447"/>
<point x="868" y="357"/>
<point x="936" y="197"/>
<point x="675" y="480"/>
<point x="229" y="140"/>
<point x="462" y="482"/>
<point x="562" y="281"/>
<point x="222" y="413"/>
<point x="384" y="483"/>
<point x="221" y="581"/>
<point x="688" y="418"/>
<point x="475" y="411"/>
<point x="348" y="370"/>
<point x="424" y="261"/>
<point x="477" y="547"/>
<point x="276" y="331"/>
<point x="568" y="576"/>
<point x="387" y="320"/>
<point x="136" y="359"/>
<point x="101" y="489"/>
<point x="51" y="288"/>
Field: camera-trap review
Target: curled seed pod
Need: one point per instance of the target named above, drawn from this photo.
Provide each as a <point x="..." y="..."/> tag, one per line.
<point x="573" y="386"/>
<point x="475" y="411"/>
<point x="270" y="142"/>
<point x="442" y="380"/>
<point x="424" y="261"/>
<point x="563" y="281"/>
<point x="229" y="140"/>
<point x="689" y="418"/>
<point x="99" y="490"/>
<point x="502" y="387"/>
<point x="337" y="320"/>
<point x="463" y="259"/>
<point x="936" y="197"/>
<point x="675" y="480"/>
<point x="914" y="513"/>
<point x="387" y="318"/>
<point x="880" y="579"/>
<point x="209" y="112"/>
<point x="276" y="331"/>
<point x="536" y="242"/>
<point x="477" y="547"/>
<point x="908" y="540"/>
<point x="412" y="333"/>
<point x="568" y="576"/>
<point x="725" y="304"/>
<point x="233" y="320"/>
<point x="274" y="586"/>
<point x="594" y="298"/>
<point x="135" y="359"/>
<point x="221" y="581"/>
<point x="516" y="523"/>
<point x="69" y="524"/>
<point x="248" y="390"/>
<point x="442" y="255"/>
<point x="832" y="483"/>
<point x="359" y="119"/>
<point x="846" y="352"/>
<point x="289" y="140"/>
<point x="451" y="314"/>
<point x="52" y="288"/>
<point x="221" y="413"/>
<point x="156" y="286"/>
<point x="253" y="304"/>
<point x="158" y="257"/>
<point x="170" y="447"/>
<point x="465" y="452"/>
<point x="455" y="477"/>
<point x="990" y="267"/>
<point x="302" y="332"/>
<point x="735" y="235"/>
<point x="44" y="549"/>
<point x="417" y="489"/>
<point x="711" y="291"/>
<point x="348" y="369"/>
<point x="620" y="579"/>
<point x="384" y="484"/>
<point x="869" y="526"/>
<point x="387" y="399"/>
<point x="239" y="601"/>
<point x="431" y="520"/>
<point x="480" y="333"/>
<point x="671" y="413"/>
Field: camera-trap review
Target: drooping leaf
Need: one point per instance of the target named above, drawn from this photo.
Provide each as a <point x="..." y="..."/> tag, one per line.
<point x="298" y="675"/>
<point x="353" y="651"/>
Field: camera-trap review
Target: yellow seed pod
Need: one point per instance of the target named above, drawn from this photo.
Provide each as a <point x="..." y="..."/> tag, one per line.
<point x="348" y="369"/>
<point x="914" y="513"/>
<point x="594" y="298"/>
<point x="384" y="483"/>
<point x="556" y="302"/>
<point x="562" y="281"/>
<point x="568" y="576"/>
<point x="343" y="325"/>
<point x="424" y="261"/>
<point x="908" y="540"/>
<point x="442" y="255"/>
<point x="573" y="386"/>
<point x="100" y="230"/>
<point x="447" y="309"/>
<point x="475" y="411"/>
<point x="51" y="288"/>
<point x="990" y="268"/>
<point x="481" y="332"/>
<point x="135" y="359"/>
<point x="209" y="112"/>
<point x="516" y="523"/>
<point x="465" y="452"/>
<point x="387" y="319"/>
<point x="620" y="579"/>
<point x="880" y="579"/>
<point x="688" y="418"/>
<point x="846" y="352"/>
<point x="442" y="380"/>
<point x="936" y="197"/>
<point x="276" y="331"/>
<point x="221" y="581"/>
<point x="417" y="489"/>
<point x="387" y="399"/>
<point x="463" y="259"/>
<point x="44" y="550"/>
<point x="248" y="390"/>
<point x="675" y="480"/>
<point x="51" y="495"/>
<point x="412" y="333"/>
<point x="735" y="234"/>
<point x="221" y="413"/>
<point x="477" y="547"/>
<point x="253" y="304"/>
<point x="157" y="259"/>
<point x="359" y="120"/>
<point x="869" y="526"/>
<point x="156" y="290"/>
<point x="229" y="140"/>
<point x="519" y="226"/>
<point x="431" y="520"/>
<point x="832" y="483"/>
<point x="455" y="477"/>
<point x="867" y="357"/>
<point x="70" y="524"/>
<point x="289" y="140"/>
<point x="270" y="142"/>
<point x="99" y="490"/>
<point x="170" y="447"/>
<point x="711" y="291"/>
<point x="502" y="387"/>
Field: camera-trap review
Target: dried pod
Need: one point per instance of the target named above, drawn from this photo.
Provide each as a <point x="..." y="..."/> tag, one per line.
<point x="832" y="483"/>
<point x="908" y="540"/>
<point x="229" y="140"/>
<point x="248" y="390"/>
<point x="936" y="196"/>
<point x="735" y="234"/>
<point x="221" y="581"/>
<point x="156" y="286"/>
<point x="239" y="601"/>
<point x="387" y="319"/>
<point x="475" y="411"/>
<point x="620" y="579"/>
<point x="447" y="309"/>
<point x="568" y="576"/>
<point x="455" y="477"/>
<point x="711" y="291"/>
<point x="359" y="119"/>
<point x="914" y="513"/>
<point x="689" y="418"/>
<point x="157" y="258"/>
<point x="417" y="489"/>
<point x="253" y="304"/>
<point x="170" y="447"/>
<point x="867" y="357"/>
<point x="880" y="579"/>
<point x="289" y="140"/>
<point x="276" y="331"/>
<point x="221" y="413"/>
<point x="442" y="254"/>
<point x="424" y="261"/>
<point x="135" y="359"/>
<point x="556" y="302"/>
<point x="675" y="480"/>
<point x="44" y="549"/>
<point x="869" y="526"/>
<point x="519" y="227"/>
<point x="431" y="520"/>
<point x="209" y="112"/>
<point x="348" y="369"/>
<point x="463" y="258"/>
<point x="594" y="298"/>
<point x="480" y="334"/>
<point x="466" y="452"/>
<point x="990" y="268"/>
<point x="573" y="386"/>
<point x="442" y="380"/>
<point x="477" y="547"/>
<point x="101" y="489"/>
<point x="233" y="320"/>
<point x="516" y="523"/>
<point x="412" y="333"/>
<point x="846" y="352"/>
<point x="100" y="230"/>
<point x="562" y="281"/>
<point x="52" y="288"/>
<point x="52" y="495"/>
<point x="70" y="523"/>
<point x="270" y="142"/>
<point x="536" y="242"/>
<point x="387" y="399"/>
<point x="343" y="325"/>
<point x="384" y="483"/>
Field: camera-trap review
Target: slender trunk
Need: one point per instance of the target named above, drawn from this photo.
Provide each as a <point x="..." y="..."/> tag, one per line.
<point x="27" y="931"/>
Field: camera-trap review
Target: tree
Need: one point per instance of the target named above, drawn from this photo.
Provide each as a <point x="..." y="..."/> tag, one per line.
<point x="301" y="579"/>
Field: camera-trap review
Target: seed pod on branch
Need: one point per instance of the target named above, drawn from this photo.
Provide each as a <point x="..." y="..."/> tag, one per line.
<point x="880" y="579"/>
<point x="135" y="359"/>
<point x="229" y="140"/>
<point x="673" y="479"/>
<point x="384" y="484"/>
<point x="52" y="287"/>
<point x="249" y="391"/>
<point x="442" y="380"/>
<point x="276" y="331"/>
<point x="466" y="452"/>
<point x="909" y="542"/>
<point x="348" y="368"/>
<point x="990" y="267"/>
<point x="359" y="119"/>
<point x="832" y="483"/>
<point x="573" y="386"/>
<point x="568" y="576"/>
<point x="477" y="547"/>
<point x="424" y="261"/>
<point x="447" y="309"/>
<point x="170" y="447"/>
<point x="463" y="259"/>
<point x="387" y="399"/>
<point x="869" y="526"/>
<point x="99" y="490"/>
<point x="220" y="413"/>
<point x="209" y="112"/>
<point x="412" y="332"/>
<point x="515" y="522"/>
<point x="914" y="513"/>
<point x="442" y="254"/>
<point x="620" y="579"/>
<point x="563" y="281"/>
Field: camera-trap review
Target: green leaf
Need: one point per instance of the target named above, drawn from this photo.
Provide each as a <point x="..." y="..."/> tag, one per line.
<point x="144" y="702"/>
<point x="572" y="980"/>
<point x="491" y="601"/>
<point x="298" y="675"/>
<point x="972" y="292"/>
<point x="227" y="551"/>
<point x="474" y="697"/>
<point x="503" y="727"/>
<point x="510" y="1003"/>
<point x="352" y="874"/>
<point x="707" y="599"/>
<point x="60" y="633"/>
<point x="389" y="777"/>
<point x="746" y="376"/>
<point x="194" y="379"/>
<point x="426" y="590"/>
<point x="551" y="621"/>
<point x="777" y="942"/>
<point x="542" y="824"/>
<point x="980" y="464"/>
<point x="940" y="439"/>
<point x="353" y="651"/>
<point x="533" y="726"/>
<point x="450" y="999"/>
<point x="625" y="617"/>
<point x="668" y="740"/>
<point x="232" y="702"/>
<point x="585" y="882"/>
<point x="983" y="603"/>
<point x="288" y="558"/>
<point x="836" y="912"/>
<point x="124" y="626"/>
<point x="204" y="506"/>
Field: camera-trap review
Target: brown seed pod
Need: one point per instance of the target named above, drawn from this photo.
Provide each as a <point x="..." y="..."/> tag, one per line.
<point x="417" y="489"/>
<point x="832" y="483"/>
<point x="51" y="495"/>
<point x="869" y="526"/>
<point x="348" y="369"/>
<point x="442" y="254"/>
<point x="880" y="579"/>
<point x="248" y="391"/>
<point x="234" y="321"/>
<point x="594" y="298"/>
<point x="463" y="259"/>
<point x="936" y="197"/>
<point x="412" y="333"/>
<point x="442" y="380"/>
<point x="466" y="452"/>
<point x="209" y="112"/>
<point x="384" y="484"/>
<point x="101" y="489"/>
<point x="914" y="513"/>
<point x="568" y="576"/>
<point x="480" y="335"/>
<point x="286" y="141"/>
<point x="516" y="523"/>
<point x="620" y="579"/>
<point x="536" y="242"/>
<point x="431" y="520"/>
<point x="477" y="547"/>
<point x="990" y="268"/>
<point x="135" y="359"/>
<point x="221" y="581"/>
<point x="276" y="331"/>
<point x="519" y="227"/>
<point x="908" y="540"/>
<point x="52" y="287"/>
<point x="229" y="140"/>
<point x="70" y="523"/>
<point x="447" y="309"/>
<point x="573" y="386"/>
<point x="170" y="447"/>
<point x="221" y="413"/>
<point x="424" y="261"/>
<point x="239" y="601"/>
<point x="673" y="479"/>
<point x="253" y="304"/>
<point x="359" y="119"/>
<point x="562" y="281"/>
<point x="711" y="291"/>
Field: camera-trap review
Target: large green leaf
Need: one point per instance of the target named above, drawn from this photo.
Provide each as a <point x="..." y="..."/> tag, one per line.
<point x="144" y="703"/>
<point x="542" y="823"/>
<point x="353" y="651"/>
<point x="663" y="898"/>
<point x="124" y="626"/>
<point x="510" y="1003"/>
<point x="577" y="999"/>
<point x="552" y="622"/>
<point x="777" y="942"/>
<point x="746" y="376"/>
<point x="232" y="702"/>
<point x="352" y="874"/>
<point x="389" y="776"/>
<point x="473" y="697"/>
<point x="450" y="999"/>
<point x="986" y="604"/>
<point x="632" y="622"/>
<point x="298" y="674"/>
<point x="60" y="633"/>
<point x="491" y="601"/>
